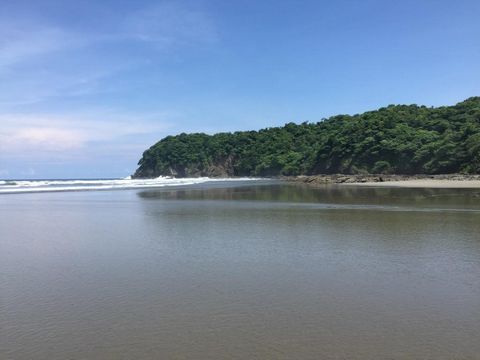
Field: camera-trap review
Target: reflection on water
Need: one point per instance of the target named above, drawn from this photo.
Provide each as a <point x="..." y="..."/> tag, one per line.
<point x="460" y="199"/>
<point x="240" y="271"/>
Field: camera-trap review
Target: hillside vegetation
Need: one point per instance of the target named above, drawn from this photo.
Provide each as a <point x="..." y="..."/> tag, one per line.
<point x="398" y="139"/>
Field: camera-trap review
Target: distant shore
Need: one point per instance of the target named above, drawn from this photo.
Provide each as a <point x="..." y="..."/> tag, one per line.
<point x="411" y="181"/>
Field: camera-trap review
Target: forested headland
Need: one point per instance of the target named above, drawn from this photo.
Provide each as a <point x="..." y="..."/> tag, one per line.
<point x="397" y="139"/>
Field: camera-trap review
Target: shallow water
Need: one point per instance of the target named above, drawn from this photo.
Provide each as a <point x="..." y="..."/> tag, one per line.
<point x="241" y="271"/>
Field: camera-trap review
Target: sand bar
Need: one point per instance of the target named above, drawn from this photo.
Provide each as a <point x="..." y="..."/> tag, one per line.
<point x="424" y="183"/>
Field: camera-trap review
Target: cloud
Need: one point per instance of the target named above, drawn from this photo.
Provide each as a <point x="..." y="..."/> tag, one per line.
<point x="46" y="139"/>
<point x="171" y="23"/>
<point x="63" y="135"/>
<point x="32" y="87"/>
<point x="20" y="42"/>
<point x="50" y="69"/>
<point x="37" y="62"/>
<point x="41" y="60"/>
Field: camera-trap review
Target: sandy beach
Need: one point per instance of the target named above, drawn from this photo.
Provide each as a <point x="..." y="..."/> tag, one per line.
<point x="448" y="181"/>
<point x="424" y="183"/>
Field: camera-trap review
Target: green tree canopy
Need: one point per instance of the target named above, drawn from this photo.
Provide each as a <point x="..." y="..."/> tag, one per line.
<point x="401" y="139"/>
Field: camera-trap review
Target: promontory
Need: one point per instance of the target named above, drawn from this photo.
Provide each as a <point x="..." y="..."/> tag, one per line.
<point x="397" y="139"/>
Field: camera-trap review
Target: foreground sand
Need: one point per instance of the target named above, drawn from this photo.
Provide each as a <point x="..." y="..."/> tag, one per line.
<point x="424" y="183"/>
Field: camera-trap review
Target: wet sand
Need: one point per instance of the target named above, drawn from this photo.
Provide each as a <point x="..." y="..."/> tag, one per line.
<point x="241" y="270"/>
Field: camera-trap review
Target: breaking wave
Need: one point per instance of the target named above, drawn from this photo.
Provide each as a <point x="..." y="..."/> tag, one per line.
<point x="25" y="186"/>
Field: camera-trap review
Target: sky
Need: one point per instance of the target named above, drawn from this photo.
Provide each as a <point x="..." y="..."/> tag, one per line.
<point x="87" y="86"/>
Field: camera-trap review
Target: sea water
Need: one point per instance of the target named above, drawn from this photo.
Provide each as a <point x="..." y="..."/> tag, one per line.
<point x="239" y="270"/>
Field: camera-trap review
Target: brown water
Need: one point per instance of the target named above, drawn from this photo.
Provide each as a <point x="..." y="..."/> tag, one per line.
<point x="236" y="271"/>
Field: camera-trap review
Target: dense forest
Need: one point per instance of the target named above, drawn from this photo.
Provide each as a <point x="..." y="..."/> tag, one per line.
<point x="397" y="139"/>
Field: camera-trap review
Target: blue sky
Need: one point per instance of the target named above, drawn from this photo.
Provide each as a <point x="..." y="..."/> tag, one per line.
<point x="86" y="86"/>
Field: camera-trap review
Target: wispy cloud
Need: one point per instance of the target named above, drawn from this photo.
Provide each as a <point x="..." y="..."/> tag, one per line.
<point x="39" y="138"/>
<point x="71" y="94"/>
<point x="50" y="135"/>
<point x="21" y="42"/>
<point x="40" y="60"/>
<point x="33" y="86"/>
<point x="170" y="24"/>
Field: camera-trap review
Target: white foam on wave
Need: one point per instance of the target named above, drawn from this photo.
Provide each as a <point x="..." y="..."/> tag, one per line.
<point x="26" y="186"/>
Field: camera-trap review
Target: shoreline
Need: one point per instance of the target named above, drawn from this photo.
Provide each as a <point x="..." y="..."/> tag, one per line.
<point x="447" y="181"/>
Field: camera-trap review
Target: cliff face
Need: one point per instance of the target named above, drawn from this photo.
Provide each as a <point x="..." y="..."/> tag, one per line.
<point x="221" y="168"/>
<point x="398" y="139"/>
